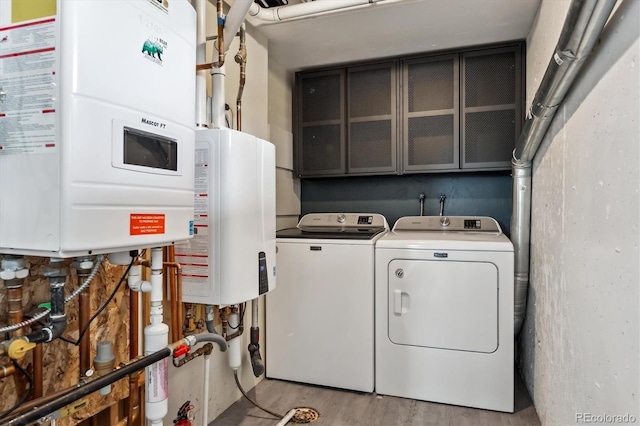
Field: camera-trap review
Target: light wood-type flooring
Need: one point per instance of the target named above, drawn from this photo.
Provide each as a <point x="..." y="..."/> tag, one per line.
<point x="339" y="407"/>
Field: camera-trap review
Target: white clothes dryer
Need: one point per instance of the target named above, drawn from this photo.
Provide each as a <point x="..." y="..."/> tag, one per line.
<point x="320" y="317"/>
<point x="444" y="312"/>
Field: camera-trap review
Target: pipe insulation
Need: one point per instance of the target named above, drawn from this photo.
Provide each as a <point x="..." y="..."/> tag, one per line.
<point x="82" y="390"/>
<point x="584" y="22"/>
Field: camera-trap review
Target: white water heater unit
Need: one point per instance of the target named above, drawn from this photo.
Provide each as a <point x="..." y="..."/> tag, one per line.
<point x="231" y="258"/>
<point x="97" y="118"/>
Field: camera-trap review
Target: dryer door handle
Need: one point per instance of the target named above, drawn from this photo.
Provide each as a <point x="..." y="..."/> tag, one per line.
<point x="400" y="302"/>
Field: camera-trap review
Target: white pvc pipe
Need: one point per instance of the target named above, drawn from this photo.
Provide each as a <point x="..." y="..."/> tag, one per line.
<point x="156" y="337"/>
<point x="218" y="97"/>
<point x="205" y="396"/>
<point x="286" y="418"/>
<point x="235" y="351"/>
<point x="135" y="283"/>
<point x="201" y="76"/>
<point x="281" y="13"/>
<point x="235" y="18"/>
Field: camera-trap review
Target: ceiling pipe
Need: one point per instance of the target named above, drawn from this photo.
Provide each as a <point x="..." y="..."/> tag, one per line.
<point x="302" y="10"/>
<point x="582" y="27"/>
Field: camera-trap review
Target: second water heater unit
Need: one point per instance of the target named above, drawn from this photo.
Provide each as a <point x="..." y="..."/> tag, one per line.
<point x="231" y="258"/>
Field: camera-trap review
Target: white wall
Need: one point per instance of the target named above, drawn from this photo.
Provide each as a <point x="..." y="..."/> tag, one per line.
<point x="580" y="338"/>
<point x="186" y="382"/>
<point x="281" y="125"/>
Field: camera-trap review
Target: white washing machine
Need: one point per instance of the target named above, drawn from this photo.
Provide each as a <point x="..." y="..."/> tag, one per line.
<point x="444" y="312"/>
<point x="320" y="317"/>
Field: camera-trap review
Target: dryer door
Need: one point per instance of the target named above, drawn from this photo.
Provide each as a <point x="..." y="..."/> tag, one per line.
<point x="443" y="304"/>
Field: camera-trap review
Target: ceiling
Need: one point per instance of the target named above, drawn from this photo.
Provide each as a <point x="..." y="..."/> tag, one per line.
<point x="393" y="28"/>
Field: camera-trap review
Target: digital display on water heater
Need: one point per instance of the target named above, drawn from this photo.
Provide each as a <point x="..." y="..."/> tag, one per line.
<point x="150" y="150"/>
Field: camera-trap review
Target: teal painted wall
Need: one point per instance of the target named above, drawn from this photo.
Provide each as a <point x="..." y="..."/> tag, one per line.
<point x="477" y="194"/>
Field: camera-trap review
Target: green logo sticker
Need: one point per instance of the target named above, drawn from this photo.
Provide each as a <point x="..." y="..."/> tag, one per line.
<point x="153" y="49"/>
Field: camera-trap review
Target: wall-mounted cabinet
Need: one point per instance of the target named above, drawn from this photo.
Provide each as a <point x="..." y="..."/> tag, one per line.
<point x="320" y="141"/>
<point x="450" y="112"/>
<point x="491" y="107"/>
<point x="430" y="114"/>
<point x="371" y="117"/>
<point x="347" y="121"/>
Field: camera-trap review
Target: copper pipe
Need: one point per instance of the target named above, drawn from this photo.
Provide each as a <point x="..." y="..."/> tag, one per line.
<point x="84" y="313"/>
<point x="134" y="320"/>
<point x="239" y="99"/>
<point x="179" y="291"/>
<point x="204" y="350"/>
<point x="7" y="370"/>
<point x="175" y="308"/>
<point x="220" y="40"/>
<point x="178" y="268"/>
<point x="173" y="298"/>
<point x="175" y="293"/>
<point x="38" y="355"/>
<point x="14" y="301"/>
<point x="241" y="59"/>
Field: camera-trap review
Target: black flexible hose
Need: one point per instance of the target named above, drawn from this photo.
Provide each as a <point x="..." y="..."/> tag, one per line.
<point x="266" y="410"/>
<point x="83" y="390"/>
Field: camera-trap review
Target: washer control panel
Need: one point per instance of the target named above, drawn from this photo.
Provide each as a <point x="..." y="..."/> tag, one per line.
<point x="344" y="220"/>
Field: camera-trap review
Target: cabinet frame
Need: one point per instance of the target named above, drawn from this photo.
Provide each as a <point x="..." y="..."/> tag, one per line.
<point x="392" y="116"/>
<point x="454" y="112"/>
<point x="517" y="106"/>
<point x="300" y="125"/>
<point x="400" y="86"/>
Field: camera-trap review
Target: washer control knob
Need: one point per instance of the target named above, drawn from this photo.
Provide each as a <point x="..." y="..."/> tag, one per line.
<point x="341" y="218"/>
<point x="444" y="221"/>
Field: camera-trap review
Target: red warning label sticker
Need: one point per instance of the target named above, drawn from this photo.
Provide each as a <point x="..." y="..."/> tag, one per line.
<point x="146" y="224"/>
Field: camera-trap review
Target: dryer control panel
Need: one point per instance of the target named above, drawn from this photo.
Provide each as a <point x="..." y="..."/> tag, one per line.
<point x="448" y="224"/>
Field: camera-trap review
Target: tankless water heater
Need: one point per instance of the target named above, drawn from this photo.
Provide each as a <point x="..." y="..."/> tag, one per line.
<point x="231" y="258"/>
<point x="97" y="114"/>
